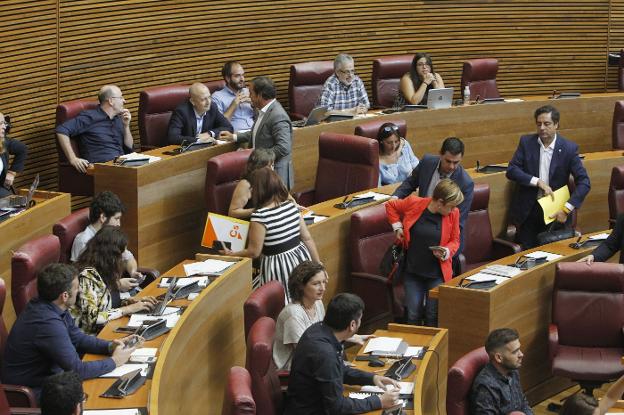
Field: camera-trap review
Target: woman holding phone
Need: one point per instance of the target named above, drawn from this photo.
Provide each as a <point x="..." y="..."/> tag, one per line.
<point x="428" y="228"/>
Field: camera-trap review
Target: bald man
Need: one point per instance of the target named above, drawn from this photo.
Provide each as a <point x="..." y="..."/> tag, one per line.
<point x="196" y="120"/>
<point x="102" y="133"/>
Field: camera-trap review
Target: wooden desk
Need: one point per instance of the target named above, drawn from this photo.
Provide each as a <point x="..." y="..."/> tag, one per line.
<point x="195" y="357"/>
<point x="15" y="231"/>
<point x="165" y="205"/>
<point x="523" y="303"/>
<point x="430" y="375"/>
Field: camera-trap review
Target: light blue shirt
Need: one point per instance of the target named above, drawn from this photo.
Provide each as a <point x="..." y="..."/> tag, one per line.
<point x="242" y="118"/>
<point x="399" y="171"/>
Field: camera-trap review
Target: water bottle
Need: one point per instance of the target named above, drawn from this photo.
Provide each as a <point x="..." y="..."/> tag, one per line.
<point x="466" y="95"/>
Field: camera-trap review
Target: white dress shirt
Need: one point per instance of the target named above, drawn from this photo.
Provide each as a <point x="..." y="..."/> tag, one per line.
<point x="546" y="154"/>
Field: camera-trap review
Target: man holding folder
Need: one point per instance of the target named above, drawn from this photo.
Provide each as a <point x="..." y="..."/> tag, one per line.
<point x="543" y="162"/>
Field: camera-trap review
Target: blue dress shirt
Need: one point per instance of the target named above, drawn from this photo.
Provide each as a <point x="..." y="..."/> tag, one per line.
<point x="242" y="118"/>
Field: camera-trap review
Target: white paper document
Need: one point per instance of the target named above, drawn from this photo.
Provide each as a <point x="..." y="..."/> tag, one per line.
<point x="483" y="277"/>
<point x="125" y="369"/>
<point x="139" y="156"/>
<point x="209" y="266"/>
<point x="407" y="388"/>
<point x="599" y="237"/>
<point x="172" y="314"/>
<point x="181" y="282"/>
<point x="385" y="344"/>
<point x="412" y="351"/>
<point x="541" y="254"/>
<point x="311" y="214"/>
<point x="112" y="412"/>
<point x="143" y="354"/>
<point x="376" y="196"/>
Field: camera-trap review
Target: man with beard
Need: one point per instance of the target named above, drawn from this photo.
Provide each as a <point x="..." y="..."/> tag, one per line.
<point x="62" y="394"/>
<point x="497" y="388"/>
<point x="233" y="100"/>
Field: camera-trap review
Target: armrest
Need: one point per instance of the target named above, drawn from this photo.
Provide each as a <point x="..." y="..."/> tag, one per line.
<point x="20" y="396"/>
<point x="305" y="198"/>
<point x="553" y="342"/>
<point x="296" y="116"/>
<point x="502" y="248"/>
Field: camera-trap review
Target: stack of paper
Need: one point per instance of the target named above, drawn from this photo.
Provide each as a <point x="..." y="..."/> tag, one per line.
<point x="139" y="156"/>
<point x="482" y="277"/>
<point x="172" y="314"/>
<point x="386" y="346"/>
<point x="376" y="196"/>
<point x="209" y="266"/>
<point x="599" y="237"/>
<point x="125" y="369"/>
<point x="543" y="254"/>
<point x="143" y="355"/>
<point x="413" y="351"/>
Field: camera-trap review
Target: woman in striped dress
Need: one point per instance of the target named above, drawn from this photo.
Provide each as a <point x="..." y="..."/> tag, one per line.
<point x="277" y="231"/>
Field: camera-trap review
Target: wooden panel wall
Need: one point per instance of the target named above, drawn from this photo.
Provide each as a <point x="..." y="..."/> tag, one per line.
<point x="541" y="46"/>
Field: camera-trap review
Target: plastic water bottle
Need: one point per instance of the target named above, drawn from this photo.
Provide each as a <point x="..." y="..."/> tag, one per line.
<point x="466" y="95"/>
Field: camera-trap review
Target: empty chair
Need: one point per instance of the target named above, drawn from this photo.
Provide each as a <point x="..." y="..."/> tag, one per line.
<point x="347" y="164"/>
<point x="617" y="132"/>
<point x="369" y="238"/>
<point x="586" y="342"/>
<point x="71" y="180"/>
<point x="460" y="378"/>
<point x="387" y="73"/>
<point x="266" y="301"/>
<point x="238" y="398"/>
<point x="370" y="129"/>
<point x="66" y="230"/>
<point x="265" y="384"/>
<point x="222" y="174"/>
<point x="480" y="246"/>
<point x="480" y="76"/>
<point x="616" y="194"/>
<point x="26" y="262"/>
<point x="305" y="86"/>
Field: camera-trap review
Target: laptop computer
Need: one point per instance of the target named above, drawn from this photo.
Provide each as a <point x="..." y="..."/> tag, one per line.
<point x="18" y="201"/>
<point x="317" y="115"/>
<point x="440" y="98"/>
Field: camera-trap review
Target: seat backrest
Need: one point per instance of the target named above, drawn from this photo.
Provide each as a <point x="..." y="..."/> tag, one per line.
<point x="66" y="111"/>
<point x="26" y="262"/>
<point x="369" y="238"/>
<point x="387" y="73"/>
<point x="222" y="175"/>
<point x="265" y="384"/>
<point x="460" y="378"/>
<point x="4" y="334"/>
<point x="588" y="304"/>
<point x="66" y="230"/>
<point x="621" y="71"/>
<point x="347" y="164"/>
<point x="478" y="227"/>
<point x="306" y="83"/>
<point x="617" y="132"/>
<point x="371" y="129"/>
<point x="155" y="107"/>
<point x="266" y="301"/>
<point x="238" y="398"/>
<point x="480" y="75"/>
<point x="616" y="192"/>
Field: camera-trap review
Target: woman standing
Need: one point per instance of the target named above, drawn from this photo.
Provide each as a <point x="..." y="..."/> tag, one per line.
<point x="9" y="147"/>
<point x="396" y="158"/>
<point x="415" y="84"/>
<point x="429" y="230"/>
<point x="277" y="231"/>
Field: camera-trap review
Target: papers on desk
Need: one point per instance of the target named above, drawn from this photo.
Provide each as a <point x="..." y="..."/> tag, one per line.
<point x="143" y="355"/>
<point x="127" y="368"/>
<point x="310" y="215"/>
<point x="543" y="254"/>
<point x="181" y="282"/>
<point x="413" y="351"/>
<point x="139" y="156"/>
<point x="209" y="266"/>
<point x="133" y="411"/>
<point x="550" y="206"/>
<point x="483" y="277"/>
<point x="407" y="388"/>
<point x="376" y="196"/>
<point x="599" y="237"/>
<point x="385" y="346"/>
<point x="171" y="314"/>
<point x="513" y="100"/>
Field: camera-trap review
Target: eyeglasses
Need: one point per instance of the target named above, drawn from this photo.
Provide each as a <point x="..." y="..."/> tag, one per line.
<point x="347" y="71"/>
<point x="118" y="97"/>
<point x="421" y="64"/>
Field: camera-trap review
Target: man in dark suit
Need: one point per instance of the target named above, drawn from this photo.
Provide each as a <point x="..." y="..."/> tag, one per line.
<point x="272" y="129"/>
<point x="543" y="162"/>
<point x="610" y="246"/>
<point x="431" y="170"/>
<point x="196" y="120"/>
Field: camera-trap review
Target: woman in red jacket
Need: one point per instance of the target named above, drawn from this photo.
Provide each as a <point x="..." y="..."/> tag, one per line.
<point x="428" y="227"/>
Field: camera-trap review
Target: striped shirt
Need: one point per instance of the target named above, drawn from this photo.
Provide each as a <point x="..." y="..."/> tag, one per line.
<point x="338" y="96"/>
<point x="281" y="223"/>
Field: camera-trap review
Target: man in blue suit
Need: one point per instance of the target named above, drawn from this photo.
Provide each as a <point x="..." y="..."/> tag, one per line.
<point x="431" y="170"/>
<point x="543" y="162"/>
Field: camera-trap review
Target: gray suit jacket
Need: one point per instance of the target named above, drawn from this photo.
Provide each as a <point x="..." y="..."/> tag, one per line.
<point x="275" y="132"/>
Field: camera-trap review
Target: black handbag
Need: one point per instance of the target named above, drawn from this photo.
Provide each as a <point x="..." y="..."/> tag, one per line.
<point x="393" y="262"/>
<point x="552" y="235"/>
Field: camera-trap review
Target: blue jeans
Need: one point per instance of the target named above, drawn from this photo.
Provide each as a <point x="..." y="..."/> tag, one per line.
<point x="416" y="289"/>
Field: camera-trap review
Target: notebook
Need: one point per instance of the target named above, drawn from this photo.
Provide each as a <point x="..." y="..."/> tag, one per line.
<point x="16" y="201"/>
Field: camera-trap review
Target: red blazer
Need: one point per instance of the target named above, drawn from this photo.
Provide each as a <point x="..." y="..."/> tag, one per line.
<point x="408" y="211"/>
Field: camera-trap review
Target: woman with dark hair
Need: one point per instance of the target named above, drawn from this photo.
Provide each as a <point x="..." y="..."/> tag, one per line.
<point x="416" y="83"/>
<point x="396" y="158"/>
<point x="101" y="268"/>
<point x="9" y="147"/>
<point x="583" y="404"/>
<point x="240" y="205"/>
<point x="277" y="231"/>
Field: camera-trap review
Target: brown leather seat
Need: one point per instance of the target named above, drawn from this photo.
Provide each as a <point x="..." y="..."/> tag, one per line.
<point x="238" y="398"/>
<point x="266" y="301"/>
<point x="305" y="86"/>
<point x="369" y="238"/>
<point x="616" y="194"/>
<point x="460" y="378"/>
<point x="617" y="132"/>
<point x="223" y="173"/>
<point x="586" y="342"/>
<point x="387" y="73"/>
<point x="480" y="75"/>
<point x="155" y="107"/>
<point x="371" y="129"/>
<point x="480" y="247"/>
<point x="71" y="180"/>
<point x="265" y="384"/>
<point x="347" y="164"/>
<point x="26" y="262"/>
<point x="621" y="71"/>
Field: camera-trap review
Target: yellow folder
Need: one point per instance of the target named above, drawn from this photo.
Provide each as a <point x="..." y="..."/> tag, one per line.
<point x="550" y="206"/>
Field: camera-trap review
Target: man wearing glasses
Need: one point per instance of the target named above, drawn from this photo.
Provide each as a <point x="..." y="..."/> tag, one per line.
<point x="103" y="133"/>
<point x="344" y="90"/>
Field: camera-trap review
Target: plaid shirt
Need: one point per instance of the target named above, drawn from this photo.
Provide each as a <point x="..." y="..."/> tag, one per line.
<point x="338" y="96"/>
